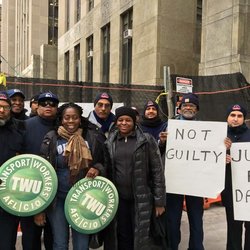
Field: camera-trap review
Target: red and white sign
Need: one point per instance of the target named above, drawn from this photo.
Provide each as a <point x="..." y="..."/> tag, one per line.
<point x="184" y="85"/>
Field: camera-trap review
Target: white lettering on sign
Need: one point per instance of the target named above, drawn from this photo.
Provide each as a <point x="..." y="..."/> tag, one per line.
<point x="26" y="185"/>
<point x="93" y="205"/>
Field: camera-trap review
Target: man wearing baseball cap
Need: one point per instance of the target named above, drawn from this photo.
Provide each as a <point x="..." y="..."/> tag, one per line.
<point x="37" y="127"/>
<point x="102" y="115"/>
<point x="11" y="144"/>
<point x="17" y="98"/>
<point x="237" y="132"/>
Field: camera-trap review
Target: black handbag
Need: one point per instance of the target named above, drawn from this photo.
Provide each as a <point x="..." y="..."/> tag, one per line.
<point x="158" y="231"/>
<point x="95" y="241"/>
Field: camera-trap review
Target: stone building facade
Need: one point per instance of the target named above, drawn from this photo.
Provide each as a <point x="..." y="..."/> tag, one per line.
<point x="225" y="46"/>
<point x="28" y="48"/>
<point x="128" y="41"/>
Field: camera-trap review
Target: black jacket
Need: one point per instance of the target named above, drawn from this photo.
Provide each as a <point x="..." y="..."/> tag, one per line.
<point x="236" y="134"/>
<point x="148" y="182"/>
<point x="11" y="139"/>
<point x="91" y="134"/>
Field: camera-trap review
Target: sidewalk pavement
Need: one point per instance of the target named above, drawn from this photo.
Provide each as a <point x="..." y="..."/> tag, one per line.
<point x="214" y="230"/>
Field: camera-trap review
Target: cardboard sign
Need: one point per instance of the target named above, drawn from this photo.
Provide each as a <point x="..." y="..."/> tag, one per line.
<point x="91" y="204"/>
<point x="28" y="185"/>
<point x="240" y="153"/>
<point x="195" y="158"/>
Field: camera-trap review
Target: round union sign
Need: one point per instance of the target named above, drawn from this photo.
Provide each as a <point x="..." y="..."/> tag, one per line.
<point x="91" y="204"/>
<point x="28" y="185"/>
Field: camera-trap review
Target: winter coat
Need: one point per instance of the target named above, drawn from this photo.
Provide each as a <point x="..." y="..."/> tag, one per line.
<point x="236" y="134"/>
<point x="148" y="182"/>
<point x="11" y="139"/>
<point x="91" y="134"/>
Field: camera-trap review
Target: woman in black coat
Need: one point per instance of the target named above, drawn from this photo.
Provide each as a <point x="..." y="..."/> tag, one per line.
<point x="133" y="163"/>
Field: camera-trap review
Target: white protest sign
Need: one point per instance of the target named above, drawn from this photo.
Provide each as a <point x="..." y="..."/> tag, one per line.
<point x="87" y="107"/>
<point x="240" y="153"/>
<point x="195" y="158"/>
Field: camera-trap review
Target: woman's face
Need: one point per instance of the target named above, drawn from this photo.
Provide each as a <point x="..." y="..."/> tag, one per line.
<point x="71" y="120"/>
<point x="125" y="124"/>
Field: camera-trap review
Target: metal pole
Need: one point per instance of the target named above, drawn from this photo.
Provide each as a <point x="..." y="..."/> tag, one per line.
<point x="169" y="90"/>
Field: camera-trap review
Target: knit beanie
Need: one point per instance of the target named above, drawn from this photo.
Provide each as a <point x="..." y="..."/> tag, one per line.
<point x="151" y="103"/>
<point x="237" y="107"/>
<point x="125" y="111"/>
<point x="4" y="97"/>
<point x="104" y="95"/>
<point x="190" y="98"/>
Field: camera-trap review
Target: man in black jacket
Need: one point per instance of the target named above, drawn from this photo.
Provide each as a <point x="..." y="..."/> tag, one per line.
<point x="11" y="144"/>
<point x="237" y="132"/>
<point x="17" y="98"/>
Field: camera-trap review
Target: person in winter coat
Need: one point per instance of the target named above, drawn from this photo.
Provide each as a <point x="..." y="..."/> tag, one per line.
<point x="102" y="116"/>
<point x="189" y="108"/>
<point x="17" y="98"/>
<point x="75" y="150"/>
<point x="11" y="144"/>
<point x="237" y="132"/>
<point x="151" y="122"/>
<point x="133" y="163"/>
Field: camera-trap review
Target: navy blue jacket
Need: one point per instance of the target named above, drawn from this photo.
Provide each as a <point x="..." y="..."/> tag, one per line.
<point x="36" y="129"/>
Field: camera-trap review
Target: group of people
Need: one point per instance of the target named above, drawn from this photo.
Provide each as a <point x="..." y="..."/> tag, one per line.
<point x="128" y="151"/>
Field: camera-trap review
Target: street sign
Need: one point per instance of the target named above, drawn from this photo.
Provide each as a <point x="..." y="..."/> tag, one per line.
<point x="184" y="85"/>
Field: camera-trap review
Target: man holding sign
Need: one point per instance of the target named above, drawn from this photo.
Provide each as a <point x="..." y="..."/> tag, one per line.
<point x="194" y="168"/>
<point x="237" y="132"/>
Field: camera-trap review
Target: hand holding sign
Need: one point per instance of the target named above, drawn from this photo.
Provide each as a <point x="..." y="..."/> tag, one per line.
<point x="195" y="158"/>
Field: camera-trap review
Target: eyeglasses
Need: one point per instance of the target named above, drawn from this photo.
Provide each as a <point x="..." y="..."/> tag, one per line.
<point x="235" y="115"/>
<point x="105" y="105"/>
<point x="5" y="108"/>
<point x="46" y="103"/>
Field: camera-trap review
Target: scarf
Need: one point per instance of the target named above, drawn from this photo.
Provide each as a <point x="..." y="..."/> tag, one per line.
<point x="151" y="122"/>
<point x="76" y="152"/>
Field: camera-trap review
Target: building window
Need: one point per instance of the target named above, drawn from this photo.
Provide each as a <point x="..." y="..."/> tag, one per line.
<point x="127" y="24"/>
<point x="90" y="59"/>
<point x="67" y="14"/>
<point x="78" y="10"/>
<point x="66" y="66"/>
<point x="90" y="4"/>
<point x="77" y="63"/>
<point x="105" y="53"/>
<point x="53" y="22"/>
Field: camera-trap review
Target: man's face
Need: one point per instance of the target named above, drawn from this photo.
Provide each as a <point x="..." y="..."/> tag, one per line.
<point x="4" y="112"/>
<point x="34" y="107"/>
<point x="47" y="109"/>
<point x="151" y="112"/>
<point x="17" y="103"/>
<point x="235" y="119"/>
<point x="103" y="108"/>
<point x="188" y="110"/>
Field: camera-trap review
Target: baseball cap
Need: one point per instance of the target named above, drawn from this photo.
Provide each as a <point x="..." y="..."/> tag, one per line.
<point x="48" y="96"/>
<point x="12" y="92"/>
